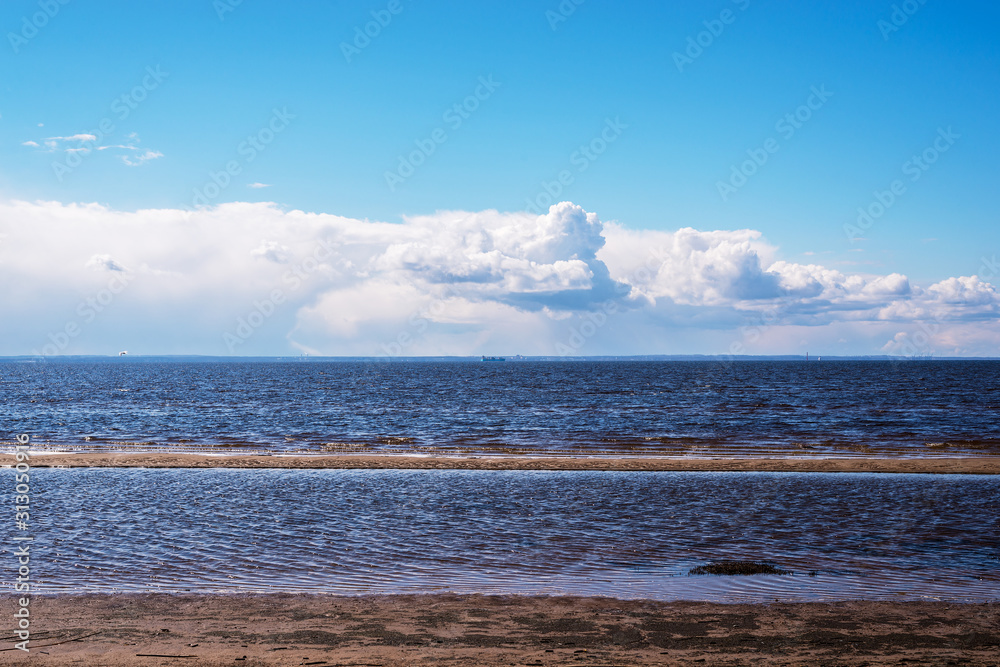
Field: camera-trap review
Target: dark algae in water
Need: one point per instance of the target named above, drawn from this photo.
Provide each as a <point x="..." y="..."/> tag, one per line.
<point x="738" y="567"/>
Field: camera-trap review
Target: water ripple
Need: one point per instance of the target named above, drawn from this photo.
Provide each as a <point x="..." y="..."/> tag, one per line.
<point x="595" y="533"/>
<point x="711" y="408"/>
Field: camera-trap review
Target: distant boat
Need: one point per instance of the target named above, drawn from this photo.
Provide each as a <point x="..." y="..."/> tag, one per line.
<point x="123" y="353"/>
<point x="494" y="359"/>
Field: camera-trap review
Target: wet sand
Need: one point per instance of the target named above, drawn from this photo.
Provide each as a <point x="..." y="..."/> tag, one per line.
<point x="938" y="465"/>
<point x="446" y="629"/>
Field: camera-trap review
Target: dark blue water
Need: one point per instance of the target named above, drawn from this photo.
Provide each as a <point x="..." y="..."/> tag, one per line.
<point x="878" y="408"/>
<point x="600" y="533"/>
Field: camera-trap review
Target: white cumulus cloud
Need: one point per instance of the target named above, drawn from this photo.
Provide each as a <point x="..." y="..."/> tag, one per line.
<point x="452" y="282"/>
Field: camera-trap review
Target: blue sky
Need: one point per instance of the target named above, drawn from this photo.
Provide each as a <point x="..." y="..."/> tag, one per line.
<point x="184" y="88"/>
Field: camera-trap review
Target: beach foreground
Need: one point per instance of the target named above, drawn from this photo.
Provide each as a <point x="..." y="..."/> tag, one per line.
<point x="929" y="464"/>
<point x="446" y="629"/>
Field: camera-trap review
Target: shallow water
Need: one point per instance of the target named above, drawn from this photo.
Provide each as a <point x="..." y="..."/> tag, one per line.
<point x="631" y="535"/>
<point x="715" y="408"/>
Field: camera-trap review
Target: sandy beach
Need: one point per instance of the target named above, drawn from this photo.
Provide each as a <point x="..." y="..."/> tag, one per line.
<point x="452" y="629"/>
<point x="445" y="629"/>
<point x="955" y="465"/>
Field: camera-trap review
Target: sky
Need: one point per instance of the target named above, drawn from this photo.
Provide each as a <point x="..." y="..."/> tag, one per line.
<point x="400" y="178"/>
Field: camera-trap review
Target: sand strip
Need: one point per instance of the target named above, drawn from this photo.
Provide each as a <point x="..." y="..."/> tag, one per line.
<point x="971" y="465"/>
<point x="446" y="629"/>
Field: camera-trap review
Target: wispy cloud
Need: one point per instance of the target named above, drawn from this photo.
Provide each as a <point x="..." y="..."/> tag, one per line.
<point x="257" y="186"/>
<point x="71" y="144"/>
<point x="82" y="137"/>
<point x="133" y="154"/>
<point x="141" y="158"/>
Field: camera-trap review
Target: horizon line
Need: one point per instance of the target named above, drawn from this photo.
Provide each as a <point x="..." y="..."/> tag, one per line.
<point x="512" y="357"/>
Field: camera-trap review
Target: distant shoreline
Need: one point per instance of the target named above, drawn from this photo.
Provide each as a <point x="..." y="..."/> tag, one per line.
<point x="717" y="358"/>
<point x="935" y="465"/>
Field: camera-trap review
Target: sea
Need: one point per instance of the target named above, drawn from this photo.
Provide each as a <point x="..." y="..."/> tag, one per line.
<point x="619" y="534"/>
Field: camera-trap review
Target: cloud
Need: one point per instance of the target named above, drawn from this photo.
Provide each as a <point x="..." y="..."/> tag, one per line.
<point x="692" y="268"/>
<point x="452" y="282"/>
<point x="82" y="137"/>
<point x="134" y="155"/>
<point x="71" y="144"/>
<point x="104" y="263"/>
<point x="966" y="290"/>
<point x="257" y="186"/>
<point x="141" y="158"/>
<point x="271" y="251"/>
<point x="523" y="260"/>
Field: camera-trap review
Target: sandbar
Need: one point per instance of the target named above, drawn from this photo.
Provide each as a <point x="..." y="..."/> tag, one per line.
<point x="930" y="464"/>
